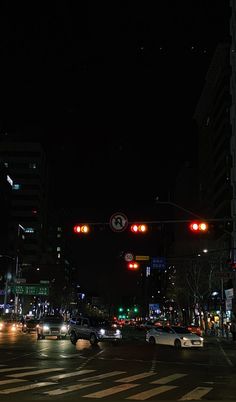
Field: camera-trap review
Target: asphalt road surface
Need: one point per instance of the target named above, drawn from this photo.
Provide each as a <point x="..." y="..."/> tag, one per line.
<point x="56" y="370"/>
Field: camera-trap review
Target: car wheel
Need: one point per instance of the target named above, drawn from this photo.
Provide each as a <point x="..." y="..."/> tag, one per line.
<point x="93" y="339"/>
<point x="152" y="340"/>
<point x="177" y="344"/>
<point x="73" y="337"/>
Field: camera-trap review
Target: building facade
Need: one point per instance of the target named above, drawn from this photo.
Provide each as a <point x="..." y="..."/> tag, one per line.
<point x="26" y="164"/>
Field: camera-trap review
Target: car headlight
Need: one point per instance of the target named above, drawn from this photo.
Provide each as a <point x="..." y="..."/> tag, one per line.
<point x="117" y="332"/>
<point x="13" y="328"/>
<point x="46" y="328"/>
<point x="102" y="331"/>
<point x="64" y="328"/>
<point x="184" y="338"/>
<point x="201" y="338"/>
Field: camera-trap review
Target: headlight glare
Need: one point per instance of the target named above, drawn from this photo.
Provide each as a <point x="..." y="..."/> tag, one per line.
<point x="102" y="331"/>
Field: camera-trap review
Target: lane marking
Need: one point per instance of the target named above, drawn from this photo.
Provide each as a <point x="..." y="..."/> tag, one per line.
<point x="101" y="376"/>
<point x="136" y="377"/>
<point x="224" y="354"/>
<point x="28" y="373"/>
<point x="196" y="393"/>
<point x="72" y="374"/>
<point x="169" y="378"/>
<point x="70" y="388"/>
<point x="26" y="387"/>
<point x="110" y="391"/>
<point x="142" y="396"/>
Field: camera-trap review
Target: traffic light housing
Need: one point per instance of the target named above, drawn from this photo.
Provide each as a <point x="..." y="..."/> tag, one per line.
<point x="81" y="229"/>
<point x="198" y="227"/>
<point x="133" y="266"/>
<point x="138" y="228"/>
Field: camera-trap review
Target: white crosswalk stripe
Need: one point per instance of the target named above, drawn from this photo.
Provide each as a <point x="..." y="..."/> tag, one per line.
<point x="72" y="374"/>
<point x="11" y="381"/>
<point x="7" y="370"/>
<point x="102" y="376"/>
<point x="71" y="388"/>
<point x="169" y="378"/>
<point x="136" y="377"/>
<point x="196" y="394"/>
<point x="36" y="372"/>
<point x="27" y="387"/>
<point x="142" y="396"/>
<point x="111" y="391"/>
<point x="14" y="375"/>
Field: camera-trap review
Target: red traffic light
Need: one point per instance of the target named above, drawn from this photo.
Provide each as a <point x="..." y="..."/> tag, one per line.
<point x="81" y="229"/>
<point x="198" y="227"/>
<point x="133" y="266"/>
<point x="138" y="228"/>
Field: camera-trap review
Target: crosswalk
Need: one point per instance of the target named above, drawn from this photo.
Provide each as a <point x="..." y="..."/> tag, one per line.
<point x="89" y="383"/>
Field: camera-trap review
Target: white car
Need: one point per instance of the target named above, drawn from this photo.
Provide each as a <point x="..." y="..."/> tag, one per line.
<point x="177" y="336"/>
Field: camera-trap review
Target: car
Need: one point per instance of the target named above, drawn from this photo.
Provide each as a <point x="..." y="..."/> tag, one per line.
<point x="195" y="329"/>
<point x="51" y="326"/>
<point x="10" y="325"/>
<point x="93" y="329"/>
<point x="177" y="336"/>
<point x="30" y="325"/>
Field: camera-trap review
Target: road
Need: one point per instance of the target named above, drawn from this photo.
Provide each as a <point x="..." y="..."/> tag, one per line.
<point x="32" y="370"/>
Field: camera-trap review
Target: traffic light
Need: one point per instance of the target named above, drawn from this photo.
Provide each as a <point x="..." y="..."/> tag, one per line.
<point x="138" y="228"/>
<point x="81" y="229"/>
<point x="199" y="227"/>
<point x="135" y="309"/>
<point x="133" y="266"/>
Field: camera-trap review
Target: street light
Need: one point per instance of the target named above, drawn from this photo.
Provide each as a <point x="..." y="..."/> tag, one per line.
<point x="20" y="227"/>
<point x="173" y="204"/>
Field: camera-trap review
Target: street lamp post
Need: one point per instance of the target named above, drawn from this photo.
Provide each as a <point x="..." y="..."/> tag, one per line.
<point x="20" y="227"/>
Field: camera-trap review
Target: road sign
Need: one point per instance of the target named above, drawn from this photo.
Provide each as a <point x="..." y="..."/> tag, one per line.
<point x="142" y="258"/>
<point x="158" y="263"/>
<point x="118" y="222"/>
<point x="128" y="257"/>
<point x="31" y="290"/>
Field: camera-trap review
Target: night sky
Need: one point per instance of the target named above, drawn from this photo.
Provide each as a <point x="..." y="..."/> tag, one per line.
<point x="110" y="89"/>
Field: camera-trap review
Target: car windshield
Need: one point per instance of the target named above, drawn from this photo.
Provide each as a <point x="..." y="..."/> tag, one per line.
<point x="54" y="320"/>
<point x="181" y="330"/>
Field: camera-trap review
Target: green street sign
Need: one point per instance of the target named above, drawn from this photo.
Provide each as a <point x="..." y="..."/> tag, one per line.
<point x="31" y="290"/>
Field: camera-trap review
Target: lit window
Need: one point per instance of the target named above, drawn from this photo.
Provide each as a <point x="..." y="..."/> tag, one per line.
<point x="6" y="164"/>
<point x="59" y="229"/>
<point x="16" y="187"/>
<point x="58" y="255"/>
<point x="29" y="230"/>
<point x="33" y="165"/>
<point x="58" y="235"/>
<point x="58" y="248"/>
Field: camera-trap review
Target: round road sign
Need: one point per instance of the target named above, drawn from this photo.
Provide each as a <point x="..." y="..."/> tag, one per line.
<point x="118" y="222"/>
<point x="129" y="257"/>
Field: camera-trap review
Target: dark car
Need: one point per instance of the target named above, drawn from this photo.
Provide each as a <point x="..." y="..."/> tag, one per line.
<point x="51" y="326"/>
<point x="30" y="325"/>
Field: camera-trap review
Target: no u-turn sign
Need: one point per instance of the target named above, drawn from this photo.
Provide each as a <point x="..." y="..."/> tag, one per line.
<point x="118" y="222"/>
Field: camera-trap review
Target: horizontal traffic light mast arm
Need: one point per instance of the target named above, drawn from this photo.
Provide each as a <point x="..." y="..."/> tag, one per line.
<point x="170" y="221"/>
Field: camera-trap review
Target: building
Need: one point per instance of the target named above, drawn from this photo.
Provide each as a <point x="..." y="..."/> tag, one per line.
<point x="26" y="164"/>
<point x="212" y="115"/>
